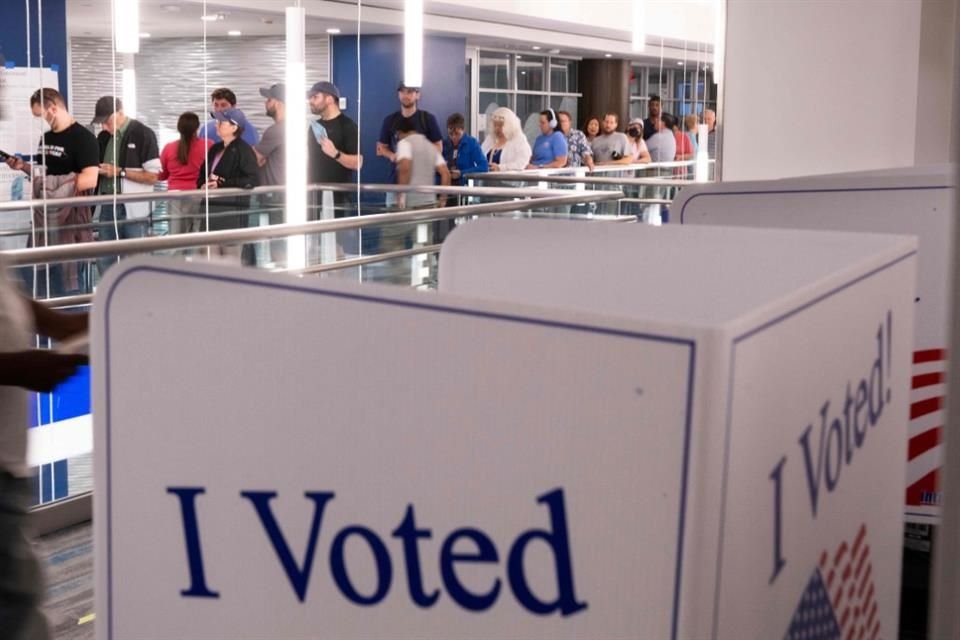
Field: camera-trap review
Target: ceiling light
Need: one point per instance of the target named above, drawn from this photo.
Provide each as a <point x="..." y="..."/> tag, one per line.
<point x="172" y="8"/>
<point x="608" y="55"/>
<point x="126" y="18"/>
<point x="519" y="57"/>
<point x="535" y="48"/>
<point x="211" y="17"/>
<point x="144" y="35"/>
<point x="413" y="43"/>
<point x="234" y="33"/>
<point x="638" y="39"/>
<point x="333" y="31"/>
<point x="680" y="62"/>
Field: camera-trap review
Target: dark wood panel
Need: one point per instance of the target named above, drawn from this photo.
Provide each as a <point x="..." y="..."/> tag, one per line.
<point x="605" y="85"/>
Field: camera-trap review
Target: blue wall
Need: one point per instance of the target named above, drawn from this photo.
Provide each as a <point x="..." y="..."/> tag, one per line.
<point x="381" y="65"/>
<point x="13" y="36"/>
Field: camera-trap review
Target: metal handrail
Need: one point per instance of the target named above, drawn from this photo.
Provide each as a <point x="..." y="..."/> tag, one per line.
<point x="526" y="177"/>
<point x="600" y="168"/>
<point x="112" y="248"/>
<point x="213" y="194"/>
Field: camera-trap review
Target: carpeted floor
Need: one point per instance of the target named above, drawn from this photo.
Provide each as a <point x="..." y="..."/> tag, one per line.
<point x="68" y="556"/>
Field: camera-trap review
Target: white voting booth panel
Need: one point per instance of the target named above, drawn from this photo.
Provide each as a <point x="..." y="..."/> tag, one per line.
<point x="791" y="517"/>
<point x="357" y="462"/>
<point x="914" y="201"/>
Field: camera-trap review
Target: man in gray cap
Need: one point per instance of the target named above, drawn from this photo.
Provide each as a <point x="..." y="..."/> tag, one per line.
<point x="332" y="143"/>
<point x="270" y="151"/>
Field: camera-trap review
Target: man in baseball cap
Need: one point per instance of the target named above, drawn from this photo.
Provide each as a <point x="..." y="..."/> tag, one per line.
<point x="270" y="151"/>
<point x="424" y="122"/>
<point x="324" y="87"/>
<point x="105" y="107"/>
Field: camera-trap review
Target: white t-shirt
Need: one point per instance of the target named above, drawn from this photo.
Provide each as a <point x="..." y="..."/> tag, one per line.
<point x="424" y="159"/>
<point x="16" y="332"/>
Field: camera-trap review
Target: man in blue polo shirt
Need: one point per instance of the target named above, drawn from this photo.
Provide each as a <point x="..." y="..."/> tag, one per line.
<point x="423" y="121"/>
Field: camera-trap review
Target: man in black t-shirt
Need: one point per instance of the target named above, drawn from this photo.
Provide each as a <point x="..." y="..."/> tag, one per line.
<point x="70" y="159"/>
<point x="67" y="148"/>
<point x="332" y="145"/>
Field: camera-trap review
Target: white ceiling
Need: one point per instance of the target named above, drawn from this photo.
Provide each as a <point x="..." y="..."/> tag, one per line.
<point x="480" y="24"/>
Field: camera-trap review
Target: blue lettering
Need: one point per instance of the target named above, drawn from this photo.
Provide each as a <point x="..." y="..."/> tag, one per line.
<point x="338" y="566"/>
<point x="191" y="535"/>
<point x="833" y="477"/>
<point x="408" y="532"/>
<point x="814" y="474"/>
<point x="777" y="476"/>
<point x="875" y="409"/>
<point x="299" y="576"/>
<point x="486" y="552"/>
<point x="558" y="541"/>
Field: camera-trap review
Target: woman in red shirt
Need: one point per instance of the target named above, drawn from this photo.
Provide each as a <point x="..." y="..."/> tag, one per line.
<point x="181" y="161"/>
<point x="684" y="146"/>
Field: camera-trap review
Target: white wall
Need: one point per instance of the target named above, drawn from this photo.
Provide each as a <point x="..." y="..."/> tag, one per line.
<point x="935" y="91"/>
<point x="818" y="86"/>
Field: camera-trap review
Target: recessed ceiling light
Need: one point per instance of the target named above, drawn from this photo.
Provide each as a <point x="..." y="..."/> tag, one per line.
<point x="519" y="57"/>
<point x="535" y="48"/>
<point x="333" y="31"/>
<point x="234" y="33"/>
<point x="608" y="55"/>
<point x="210" y="17"/>
<point x="172" y="8"/>
<point x="680" y="62"/>
<point x="144" y="35"/>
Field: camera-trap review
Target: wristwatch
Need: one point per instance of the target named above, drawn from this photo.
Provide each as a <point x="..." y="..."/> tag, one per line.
<point x="123" y="173"/>
<point x="339" y="153"/>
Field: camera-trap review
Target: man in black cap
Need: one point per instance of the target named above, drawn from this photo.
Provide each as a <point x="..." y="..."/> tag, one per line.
<point x="423" y="122"/>
<point x="332" y="145"/>
<point x="129" y="163"/>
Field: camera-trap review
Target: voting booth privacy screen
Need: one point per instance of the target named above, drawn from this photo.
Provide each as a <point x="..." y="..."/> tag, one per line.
<point x="515" y="461"/>
<point x="915" y="201"/>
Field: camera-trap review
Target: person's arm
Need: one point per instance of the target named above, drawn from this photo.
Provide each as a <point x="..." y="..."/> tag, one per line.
<point x="57" y="324"/>
<point x="261" y="159"/>
<point x="475" y="161"/>
<point x="445" y="180"/>
<point x="383" y="142"/>
<point x="17" y="164"/>
<point x="38" y="369"/>
<point x="350" y="161"/>
<point x="87" y="178"/>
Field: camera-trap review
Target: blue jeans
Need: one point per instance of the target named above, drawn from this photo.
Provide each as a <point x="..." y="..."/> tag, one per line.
<point x="109" y="213"/>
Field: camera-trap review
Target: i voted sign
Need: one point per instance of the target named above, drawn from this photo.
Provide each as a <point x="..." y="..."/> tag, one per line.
<point x="286" y="459"/>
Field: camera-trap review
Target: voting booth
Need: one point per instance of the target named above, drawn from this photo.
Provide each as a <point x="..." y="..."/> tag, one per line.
<point x="546" y="448"/>
<point x="914" y="201"/>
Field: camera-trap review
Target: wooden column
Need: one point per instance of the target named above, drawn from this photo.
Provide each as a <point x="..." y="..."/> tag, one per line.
<point x="605" y="85"/>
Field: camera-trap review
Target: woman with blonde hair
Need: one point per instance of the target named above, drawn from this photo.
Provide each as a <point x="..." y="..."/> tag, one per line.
<point x="505" y="146"/>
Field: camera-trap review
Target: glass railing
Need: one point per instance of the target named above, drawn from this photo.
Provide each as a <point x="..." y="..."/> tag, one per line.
<point x="342" y="239"/>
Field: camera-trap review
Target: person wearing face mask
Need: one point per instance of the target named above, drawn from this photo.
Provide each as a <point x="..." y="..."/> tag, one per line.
<point x="639" y="151"/>
<point x="67" y="165"/>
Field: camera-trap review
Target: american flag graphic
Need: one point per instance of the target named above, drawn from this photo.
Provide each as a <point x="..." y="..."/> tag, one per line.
<point x="927" y="391"/>
<point x="839" y="601"/>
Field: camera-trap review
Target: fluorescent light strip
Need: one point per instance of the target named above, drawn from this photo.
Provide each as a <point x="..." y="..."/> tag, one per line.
<point x="129" y="84"/>
<point x="295" y="144"/>
<point x="126" y="25"/>
<point x="639" y="40"/>
<point x="413" y="43"/>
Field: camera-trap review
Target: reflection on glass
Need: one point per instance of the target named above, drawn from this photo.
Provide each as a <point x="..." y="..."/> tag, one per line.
<point x="530" y="74"/>
<point x="563" y="76"/>
<point x="489" y="102"/>
<point x="528" y="110"/>
<point x="495" y="70"/>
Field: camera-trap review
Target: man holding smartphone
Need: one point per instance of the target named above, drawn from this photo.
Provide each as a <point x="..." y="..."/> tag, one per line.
<point x="332" y="145"/>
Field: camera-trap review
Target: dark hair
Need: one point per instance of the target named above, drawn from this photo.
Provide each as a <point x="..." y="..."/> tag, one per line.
<point x="587" y="122"/>
<point x="405" y="125"/>
<point x="550" y="114"/>
<point x="224" y="94"/>
<point x="612" y="113"/>
<point x="456" y="121"/>
<point x="187" y="124"/>
<point x="669" y="120"/>
<point x="654" y="97"/>
<point x="50" y="96"/>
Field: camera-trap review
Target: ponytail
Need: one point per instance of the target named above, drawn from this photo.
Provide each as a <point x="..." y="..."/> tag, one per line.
<point x="188" y="124"/>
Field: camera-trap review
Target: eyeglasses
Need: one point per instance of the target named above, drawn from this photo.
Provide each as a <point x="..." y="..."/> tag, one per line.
<point x="498" y="119"/>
